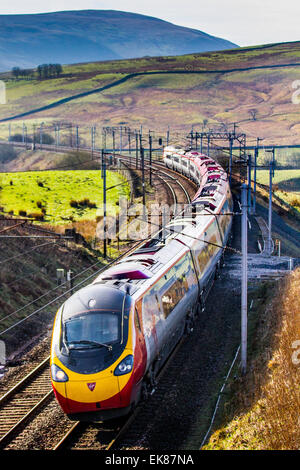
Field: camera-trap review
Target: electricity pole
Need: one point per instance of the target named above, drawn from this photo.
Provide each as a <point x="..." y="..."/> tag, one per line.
<point x="34" y="136"/>
<point x="41" y="135"/>
<point x="113" y="136"/>
<point x="255" y="168"/>
<point x="270" y="208"/>
<point x="93" y="132"/>
<point x="150" y="159"/>
<point x="143" y="175"/>
<point x="254" y="186"/>
<point x="129" y="141"/>
<point x="70" y="281"/>
<point x="77" y="137"/>
<point x="271" y="174"/>
<point x="25" y="137"/>
<point x="136" y="150"/>
<point x="249" y="164"/>
<point x="103" y="166"/>
<point x="230" y="156"/>
<point x="244" y="280"/>
<point x="104" y="138"/>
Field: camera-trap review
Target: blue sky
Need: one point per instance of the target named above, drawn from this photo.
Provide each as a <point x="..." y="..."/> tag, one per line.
<point x="245" y="22"/>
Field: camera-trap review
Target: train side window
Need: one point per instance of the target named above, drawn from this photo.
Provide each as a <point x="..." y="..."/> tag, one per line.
<point x="151" y="311"/>
<point x="203" y="258"/>
<point x="172" y="296"/>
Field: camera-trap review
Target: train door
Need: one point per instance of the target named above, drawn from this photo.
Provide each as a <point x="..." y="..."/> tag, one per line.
<point x="208" y="253"/>
<point x="178" y="294"/>
<point x="140" y="351"/>
<point x="153" y="324"/>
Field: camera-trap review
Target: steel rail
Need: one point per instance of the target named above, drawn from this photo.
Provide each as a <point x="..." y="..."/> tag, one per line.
<point x="16" y="411"/>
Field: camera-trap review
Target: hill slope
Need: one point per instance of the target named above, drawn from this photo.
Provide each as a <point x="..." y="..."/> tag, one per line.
<point x="249" y="86"/>
<point x="89" y="35"/>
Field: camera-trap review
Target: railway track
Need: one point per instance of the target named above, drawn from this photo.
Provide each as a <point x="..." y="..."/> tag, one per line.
<point x="170" y="178"/>
<point x="22" y="404"/>
<point x="177" y="188"/>
<point x="105" y="436"/>
<point x="27" y="400"/>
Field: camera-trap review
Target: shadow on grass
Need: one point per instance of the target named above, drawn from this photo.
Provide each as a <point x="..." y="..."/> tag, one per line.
<point x="292" y="184"/>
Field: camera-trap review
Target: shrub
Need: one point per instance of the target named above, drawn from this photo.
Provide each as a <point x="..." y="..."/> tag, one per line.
<point x="7" y="153"/>
<point x="22" y="213"/>
<point x="87" y="203"/>
<point x="295" y="202"/>
<point x="74" y="203"/>
<point x="36" y="215"/>
<point x="48" y="139"/>
<point x="83" y="203"/>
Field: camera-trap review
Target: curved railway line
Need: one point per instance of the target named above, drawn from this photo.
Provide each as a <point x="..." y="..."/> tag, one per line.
<point x="23" y="403"/>
<point x="175" y="189"/>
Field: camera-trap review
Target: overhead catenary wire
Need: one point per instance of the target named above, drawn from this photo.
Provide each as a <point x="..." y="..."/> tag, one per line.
<point x="49" y="291"/>
<point x="61" y="295"/>
<point x="165" y="227"/>
<point x="26" y="252"/>
<point x="12" y="226"/>
<point x="94" y="274"/>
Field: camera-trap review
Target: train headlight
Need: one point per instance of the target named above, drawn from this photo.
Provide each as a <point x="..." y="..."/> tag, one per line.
<point x="58" y="375"/>
<point x="125" y="366"/>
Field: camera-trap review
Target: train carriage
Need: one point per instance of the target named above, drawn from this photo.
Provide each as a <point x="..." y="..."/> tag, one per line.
<point x="111" y="338"/>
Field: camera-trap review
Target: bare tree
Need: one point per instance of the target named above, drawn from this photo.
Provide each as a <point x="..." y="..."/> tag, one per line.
<point x="253" y="113"/>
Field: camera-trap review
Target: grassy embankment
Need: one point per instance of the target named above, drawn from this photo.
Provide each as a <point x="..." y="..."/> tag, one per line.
<point x="62" y="198"/>
<point x="286" y="185"/>
<point x="55" y="200"/>
<point x="261" y="410"/>
<point x="259" y="100"/>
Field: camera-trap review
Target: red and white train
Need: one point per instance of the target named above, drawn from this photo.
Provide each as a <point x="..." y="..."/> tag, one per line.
<point x="111" y="337"/>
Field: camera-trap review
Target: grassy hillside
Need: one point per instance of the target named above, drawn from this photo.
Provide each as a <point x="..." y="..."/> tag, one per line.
<point x="261" y="410"/>
<point x="286" y="185"/>
<point x="60" y="197"/>
<point x="250" y="86"/>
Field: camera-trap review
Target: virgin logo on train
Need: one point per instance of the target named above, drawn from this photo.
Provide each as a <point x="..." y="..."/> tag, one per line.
<point x="92" y="386"/>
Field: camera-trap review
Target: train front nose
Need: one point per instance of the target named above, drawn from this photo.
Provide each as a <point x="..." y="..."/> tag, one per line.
<point x="91" y="352"/>
<point x="92" y="395"/>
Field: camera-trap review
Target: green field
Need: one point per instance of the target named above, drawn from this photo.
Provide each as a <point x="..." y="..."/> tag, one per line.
<point x="286" y="185"/>
<point x="60" y="197"/>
